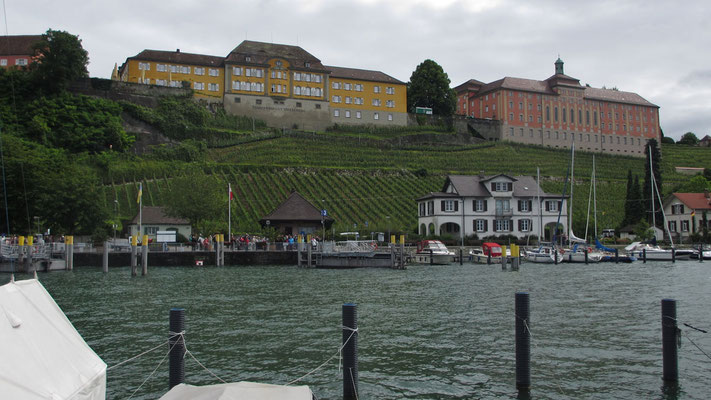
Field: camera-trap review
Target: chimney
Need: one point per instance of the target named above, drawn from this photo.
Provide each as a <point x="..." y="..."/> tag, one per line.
<point x="177" y="50"/>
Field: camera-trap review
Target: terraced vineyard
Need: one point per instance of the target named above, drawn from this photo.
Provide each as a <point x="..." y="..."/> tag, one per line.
<point x="377" y="184"/>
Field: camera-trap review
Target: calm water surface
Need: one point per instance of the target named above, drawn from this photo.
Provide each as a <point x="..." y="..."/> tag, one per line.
<point x="425" y="333"/>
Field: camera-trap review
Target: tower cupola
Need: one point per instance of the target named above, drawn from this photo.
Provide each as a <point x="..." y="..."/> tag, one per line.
<point x="559" y="66"/>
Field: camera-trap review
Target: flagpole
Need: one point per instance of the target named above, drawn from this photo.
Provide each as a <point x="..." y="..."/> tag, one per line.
<point x="140" y="208"/>
<point x="229" y="212"/>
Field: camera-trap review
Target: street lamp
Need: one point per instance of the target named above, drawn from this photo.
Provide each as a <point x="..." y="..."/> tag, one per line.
<point x="462" y="230"/>
<point x="37" y="223"/>
<point x="388" y="238"/>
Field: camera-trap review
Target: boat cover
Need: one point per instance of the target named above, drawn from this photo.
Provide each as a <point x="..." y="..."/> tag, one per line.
<point x="600" y="246"/>
<point x="238" y="391"/>
<point x="494" y="248"/>
<point x="43" y="356"/>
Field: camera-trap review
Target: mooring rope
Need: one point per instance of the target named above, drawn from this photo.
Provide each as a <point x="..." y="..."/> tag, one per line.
<point x="697" y="346"/>
<point x="203" y="366"/>
<point x="154" y="371"/>
<point x="338" y="353"/>
<point x="139" y="355"/>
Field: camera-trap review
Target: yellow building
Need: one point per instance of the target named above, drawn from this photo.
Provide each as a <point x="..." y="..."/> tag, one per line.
<point x="284" y="85"/>
<point x="359" y="96"/>
<point x="204" y="74"/>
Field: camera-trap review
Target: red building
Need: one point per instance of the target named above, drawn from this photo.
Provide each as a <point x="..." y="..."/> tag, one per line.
<point x="16" y="51"/>
<point x="559" y="111"/>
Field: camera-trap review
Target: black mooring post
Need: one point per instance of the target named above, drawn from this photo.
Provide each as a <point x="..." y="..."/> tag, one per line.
<point x="488" y="258"/>
<point x="673" y="255"/>
<point x="644" y="256"/>
<point x="669" y="341"/>
<point x="617" y="256"/>
<point x="176" y="344"/>
<point x="350" y="351"/>
<point x="523" y="342"/>
<point x="586" y="255"/>
<point x="701" y="253"/>
<point x="461" y="260"/>
<point x="431" y="257"/>
<point x="555" y="256"/>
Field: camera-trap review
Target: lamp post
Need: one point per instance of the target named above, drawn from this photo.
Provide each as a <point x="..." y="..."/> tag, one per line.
<point x="462" y="230"/>
<point x="36" y="218"/>
<point x="388" y="238"/>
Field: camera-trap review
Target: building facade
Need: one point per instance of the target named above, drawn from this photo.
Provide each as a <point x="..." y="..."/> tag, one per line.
<point x="204" y="74"/>
<point x="16" y="51"/>
<point x="686" y="213"/>
<point x="491" y="206"/>
<point x="559" y="111"/>
<point x="284" y="85"/>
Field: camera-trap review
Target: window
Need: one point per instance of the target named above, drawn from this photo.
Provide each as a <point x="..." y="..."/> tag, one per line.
<point x="502" y="225"/>
<point x="390" y="117"/>
<point x="358" y="87"/>
<point x="672" y="226"/>
<point x="450" y="205"/>
<point x="501" y="186"/>
<point x="524" y="225"/>
<point x="213" y="72"/>
<point x="161" y="67"/>
<point x="552" y="205"/>
<point x="347" y="86"/>
<point x="479" y="205"/>
<point x="376" y="89"/>
<point x="348" y="99"/>
<point x="524" y="205"/>
<point x="390" y="103"/>
<point x="238" y="100"/>
<point x="150" y="230"/>
<point x="213" y="87"/>
<point x="677" y="209"/>
<point x="297" y="76"/>
<point x="336" y="113"/>
<point x="297" y="90"/>
<point x="184" y="70"/>
<point x="376" y="102"/>
<point x="198" y="85"/>
<point x="480" y="225"/>
<point x="390" y="90"/>
<point x="555" y="114"/>
<point x="161" y="82"/>
<point x="685" y="226"/>
<point x="3" y="62"/>
<point x="376" y="116"/>
<point x="199" y="71"/>
<point x="348" y="113"/>
<point x="141" y="65"/>
<point x="336" y="99"/>
<point x="548" y="113"/>
<point x="503" y="206"/>
<point x="358" y="114"/>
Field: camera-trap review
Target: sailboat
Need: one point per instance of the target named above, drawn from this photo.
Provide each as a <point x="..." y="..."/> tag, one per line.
<point x="545" y="253"/>
<point x="580" y="252"/>
<point x="650" y="251"/>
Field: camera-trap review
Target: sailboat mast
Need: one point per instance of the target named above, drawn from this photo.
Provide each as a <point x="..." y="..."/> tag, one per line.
<point x="540" y="207"/>
<point x="594" y="179"/>
<point x="572" y="183"/>
<point x="652" y="184"/>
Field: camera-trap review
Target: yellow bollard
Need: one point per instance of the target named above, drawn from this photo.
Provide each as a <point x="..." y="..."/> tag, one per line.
<point x="392" y="239"/>
<point x="134" y="241"/>
<point x="308" y="238"/>
<point x="30" y="240"/>
<point x="145" y="240"/>
<point x="21" y="240"/>
<point x="402" y="239"/>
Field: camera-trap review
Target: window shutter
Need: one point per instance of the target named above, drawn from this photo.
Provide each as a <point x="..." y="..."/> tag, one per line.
<point x="485" y="204"/>
<point x="520" y="224"/>
<point x="456" y="205"/>
<point x="530" y="205"/>
<point x="682" y="209"/>
<point x="519" y="205"/>
<point x="509" y="186"/>
<point x="442" y="202"/>
<point x="548" y="206"/>
<point x="486" y="226"/>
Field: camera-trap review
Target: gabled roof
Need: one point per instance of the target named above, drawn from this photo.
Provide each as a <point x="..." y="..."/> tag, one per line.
<point x="260" y="53"/>
<point x="617" y="96"/>
<point x="178" y="57"/>
<point x="475" y="186"/>
<point x="295" y="208"/>
<point x="361" y="74"/>
<point x="156" y="216"/>
<point x="18" y="45"/>
<point x="694" y="201"/>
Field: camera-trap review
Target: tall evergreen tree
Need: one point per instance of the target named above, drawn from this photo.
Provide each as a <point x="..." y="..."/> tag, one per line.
<point x="626" y="220"/>
<point x="656" y="161"/>
<point x="637" y="210"/>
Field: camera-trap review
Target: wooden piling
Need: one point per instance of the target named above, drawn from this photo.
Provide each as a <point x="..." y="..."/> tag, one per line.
<point x="69" y="252"/>
<point x="105" y="259"/>
<point x="503" y="257"/>
<point x="523" y="342"/>
<point x="144" y="256"/>
<point x="669" y="341"/>
<point x="134" y="261"/>
<point x="176" y="346"/>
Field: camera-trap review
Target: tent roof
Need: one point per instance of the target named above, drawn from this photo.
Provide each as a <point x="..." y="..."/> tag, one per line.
<point x="238" y="391"/>
<point x="44" y="357"/>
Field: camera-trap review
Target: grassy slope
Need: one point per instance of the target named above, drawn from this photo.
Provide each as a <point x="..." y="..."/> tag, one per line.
<point x="360" y="180"/>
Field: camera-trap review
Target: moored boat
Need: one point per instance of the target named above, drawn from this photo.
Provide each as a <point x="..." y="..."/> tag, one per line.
<point x="489" y="253"/>
<point x="544" y="254"/>
<point x="433" y="252"/>
<point x="646" y="251"/>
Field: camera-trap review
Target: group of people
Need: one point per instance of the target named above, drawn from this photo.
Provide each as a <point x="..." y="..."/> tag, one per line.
<point x="248" y="242"/>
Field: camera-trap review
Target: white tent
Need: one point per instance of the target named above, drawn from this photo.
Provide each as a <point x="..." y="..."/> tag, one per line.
<point x="43" y="356"/>
<point x="238" y="391"/>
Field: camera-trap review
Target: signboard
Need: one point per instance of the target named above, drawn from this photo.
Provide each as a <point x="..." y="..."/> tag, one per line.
<point x="166" y="236"/>
<point x="324" y="213"/>
<point x="423" y="110"/>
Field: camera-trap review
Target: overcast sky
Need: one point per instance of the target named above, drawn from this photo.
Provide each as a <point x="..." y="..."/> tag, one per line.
<point x="658" y="49"/>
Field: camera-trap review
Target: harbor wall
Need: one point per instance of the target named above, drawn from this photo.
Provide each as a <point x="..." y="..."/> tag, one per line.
<point x="190" y="258"/>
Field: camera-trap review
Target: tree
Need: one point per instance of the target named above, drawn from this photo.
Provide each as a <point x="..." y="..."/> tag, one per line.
<point x="637" y="210"/>
<point x="689" y="138"/>
<point x="59" y="59"/>
<point x="627" y="217"/>
<point x="429" y="87"/>
<point x="656" y="161"/>
<point x="200" y="199"/>
<point x="697" y="184"/>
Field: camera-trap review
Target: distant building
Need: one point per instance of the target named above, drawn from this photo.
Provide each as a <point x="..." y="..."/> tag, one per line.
<point x="705" y="141"/>
<point x="559" y="111"/>
<point x="154" y="219"/>
<point x="491" y="205"/>
<point x="16" y="51"/>
<point x="284" y="85"/>
<point x="685" y="213"/>
<point x="295" y="216"/>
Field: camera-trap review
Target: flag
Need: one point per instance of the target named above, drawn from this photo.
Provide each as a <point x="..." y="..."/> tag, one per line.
<point x="693" y="212"/>
<point x="140" y="192"/>
<point x="231" y="195"/>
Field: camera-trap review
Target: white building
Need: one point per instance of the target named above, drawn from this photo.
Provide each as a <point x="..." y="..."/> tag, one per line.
<point x="686" y="213"/>
<point x="491" y="206"/>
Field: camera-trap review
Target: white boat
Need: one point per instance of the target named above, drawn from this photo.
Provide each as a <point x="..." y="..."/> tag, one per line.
<point x="433" y="252"/>
<point x="654" y="253"/>
<point x="543" y="255"/>
<point x="577" y="255"/>
<point x="489" y="253"/>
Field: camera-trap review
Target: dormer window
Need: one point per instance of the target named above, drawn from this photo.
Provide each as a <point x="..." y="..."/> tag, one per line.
<point x="278" y="63"/>
<point x="307" y="64"/>
<point x="248" y="59"/>
<point x="501" y="186"/>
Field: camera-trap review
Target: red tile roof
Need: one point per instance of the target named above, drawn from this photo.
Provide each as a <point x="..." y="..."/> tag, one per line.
<point x="695" y="201"/>
<point x="18" y="45"/>
<point x="178" y="57"/>
<point x="260" y="53"/>
<point x="361" y="74"/>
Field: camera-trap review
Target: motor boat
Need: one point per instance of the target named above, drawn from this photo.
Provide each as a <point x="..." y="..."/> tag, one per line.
<point x="651" y="252"/>
<point x="544" y="254"/>
<point x="489" y="253"/>
<point x="433" y="252"/>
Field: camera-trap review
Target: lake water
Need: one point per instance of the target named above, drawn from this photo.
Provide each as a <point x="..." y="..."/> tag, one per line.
<point x="428" y="332"/>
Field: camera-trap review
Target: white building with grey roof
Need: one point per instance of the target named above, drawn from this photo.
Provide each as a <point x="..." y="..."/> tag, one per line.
<point x="493" y="205"/>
